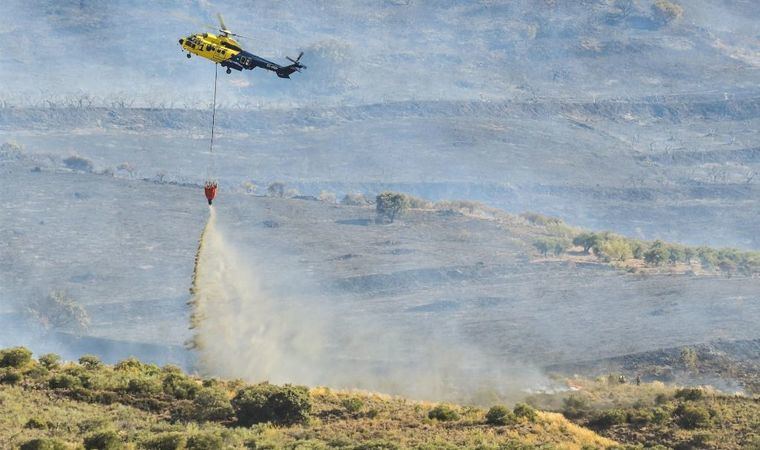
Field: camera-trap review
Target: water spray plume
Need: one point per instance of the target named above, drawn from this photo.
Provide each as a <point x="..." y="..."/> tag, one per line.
<point x="240" y="331"/>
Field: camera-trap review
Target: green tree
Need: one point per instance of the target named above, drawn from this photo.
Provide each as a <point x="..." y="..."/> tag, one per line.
<point x="390" y="205"/>
<point x="586" y="240"/>
<point x="657" y="254"/>
<point x="616" y="249"/>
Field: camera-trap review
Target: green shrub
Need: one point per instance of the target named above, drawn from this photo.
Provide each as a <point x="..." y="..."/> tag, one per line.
<point x="63" y="381"/>
<point x="212" y="404"/>
<point x="165" y="441"/>
<point x="11" y="377"/>
<point x="575" y="406"/>
<point x="499" y="415"/>
<point x="443" y="413"/>
<point x="90" y="362"/>
<point x="525" y="411"/>
<point x="205" y="441"/>
<point x="129" y="364"/>
<point x="143" y="386"/>
<point x="16" y="357"/>
<point x="43" y="444"/>
<point x="352" y="404"/>
<point x="540" y="219"/>
<point x="180" y="386"/>
<point x="691" y="416"/>
<point x="608" y="418"/>
<point x="270" y="403"/>
<point x="50" y="361"/>
<point x="640" y="417"/>
<point x="103" y="440"/>
<point x="690" y="394"/>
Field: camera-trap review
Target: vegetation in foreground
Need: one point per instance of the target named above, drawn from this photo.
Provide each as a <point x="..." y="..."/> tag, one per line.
<point x="659" y="415"/>
<point x="49" y="404"/>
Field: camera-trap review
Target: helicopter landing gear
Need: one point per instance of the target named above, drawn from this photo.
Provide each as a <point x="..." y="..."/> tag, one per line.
<point x="229" y="70"/>
<point x="188" y="56"/>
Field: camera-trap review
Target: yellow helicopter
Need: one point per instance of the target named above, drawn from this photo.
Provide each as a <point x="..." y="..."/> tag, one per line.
<point x="223" y="49"/>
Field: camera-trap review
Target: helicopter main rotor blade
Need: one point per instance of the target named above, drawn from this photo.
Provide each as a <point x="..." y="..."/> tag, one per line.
<point x="221" y="21"/>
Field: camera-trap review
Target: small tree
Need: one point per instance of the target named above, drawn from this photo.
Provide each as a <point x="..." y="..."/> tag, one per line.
<point x="276" y="189"/>
<point x="657" y="254"/>
<point x="525" y="411"/>
<point x="586" y="240"/>
<point x="389" y="205"/>
<point x="616" y="249"/>
<point x="543" y="246"/>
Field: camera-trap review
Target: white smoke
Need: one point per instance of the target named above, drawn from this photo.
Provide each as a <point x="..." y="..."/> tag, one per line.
<point x="240" y="329"/>
<point x="245" y="328"/>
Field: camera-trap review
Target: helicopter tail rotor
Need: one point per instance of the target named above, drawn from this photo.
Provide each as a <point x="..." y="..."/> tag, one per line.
<point x="296" y="62"/>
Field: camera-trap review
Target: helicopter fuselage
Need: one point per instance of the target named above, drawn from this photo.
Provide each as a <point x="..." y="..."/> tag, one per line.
<point x="224" y="50"/>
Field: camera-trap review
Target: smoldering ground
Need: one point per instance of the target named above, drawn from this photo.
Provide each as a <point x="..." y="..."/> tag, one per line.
<point x="283" y="329"/>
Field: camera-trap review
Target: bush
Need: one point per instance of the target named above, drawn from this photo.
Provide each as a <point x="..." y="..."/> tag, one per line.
<point x="540" y="219"/>
<point x="165" y="441"/>
<point x="43" y="444"/>
<point x="352" y="404"/>
<point x="76" y="162"/>
<point x="691" y="417"/>
<point x="50" y="361"/>
<point x="608" y="418"/>
<point x="64" y="381"/>
<point x="205" y="441"/>
<point x="103" y="440"/>
<point x="553" y="245"/>
<point x="180" y="386"/>
<point x="690" y="394"/>
<point x="443" y="413"/>
<point x="143" y="386"/>
<point x="129" y="364"/>
<point x="354" y="199"/>
<point x="270" y="403"/>
<point x="575" y="406"/>
<point x="389" y="205"/>
<point x="212" y="404"/>
<point x="525" y="411"/>
<point x="16" y="357"/>
<point x="666" y="11"/>
<point x="11" y="377"/>
<point x="499" y="415"/>
<point x="90" y="361"/>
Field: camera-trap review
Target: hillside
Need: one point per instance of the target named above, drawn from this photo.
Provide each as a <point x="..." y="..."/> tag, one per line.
<point x="135" y="405"/>
<point x="461" y="289"/>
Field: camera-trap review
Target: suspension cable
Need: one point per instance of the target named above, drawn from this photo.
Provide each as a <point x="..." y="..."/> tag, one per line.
<point x="213" y="109"/>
